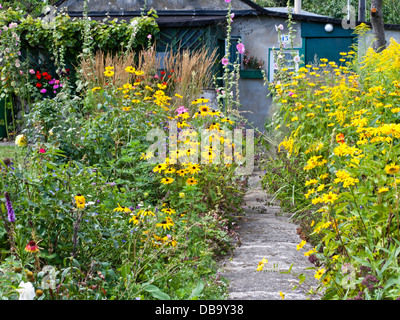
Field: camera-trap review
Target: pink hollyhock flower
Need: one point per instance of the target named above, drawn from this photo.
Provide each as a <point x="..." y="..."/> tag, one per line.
<point x="31" y="71"/>
<point x="240" y="48"/>
<point x="225" y="61"/>
<point x="227" y="1"/>
<point x="149" y="36"/>
<point x="43" y="91"/>
<point x="41" y="150"/>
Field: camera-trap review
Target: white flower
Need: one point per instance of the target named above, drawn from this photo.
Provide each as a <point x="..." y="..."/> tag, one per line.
<point x="296" y="59"/>
<point x="26" y="291"/>
<point x="280" y="27"/>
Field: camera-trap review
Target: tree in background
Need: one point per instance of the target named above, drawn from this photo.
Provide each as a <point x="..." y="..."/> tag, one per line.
<point x="377" y="25"/>
<point x="333" y="8"/>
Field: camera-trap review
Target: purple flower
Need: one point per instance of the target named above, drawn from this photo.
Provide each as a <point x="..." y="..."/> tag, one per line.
<point x="225" y="61"/>
<point x="10" y="210"/>
<point x="240" y="48"/>
<point x="43" y="91"/>
<point x="227" y="1"/>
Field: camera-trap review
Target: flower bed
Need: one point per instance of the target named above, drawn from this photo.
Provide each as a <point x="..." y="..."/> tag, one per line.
<point x="337" y="169"/>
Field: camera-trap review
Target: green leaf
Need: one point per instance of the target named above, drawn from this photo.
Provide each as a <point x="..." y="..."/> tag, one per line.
<point x="156" y="292"/>
<point x="197" y="291"/>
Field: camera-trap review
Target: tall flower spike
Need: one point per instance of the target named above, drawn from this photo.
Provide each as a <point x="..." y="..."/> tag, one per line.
<point x="10" y="210"/>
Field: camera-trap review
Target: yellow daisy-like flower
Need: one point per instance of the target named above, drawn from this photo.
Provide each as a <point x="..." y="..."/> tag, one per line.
<point x="80" y="201"/>
<point x="144" y="213"/>
<point x="181" y="172"/>
<point x="319" y="273"/>
<point x="329" y="197"/>
<point x="301" y="245"/>
<point x="166" y="224"/>
<point x="191" y="181"/>
<point x="160" y="167"/>
<point x="126" y="108"/>
<point x="204" y="110"/>
<point x="168" y="210"/>
<point x="392" y="168"/>
<point x="134" y="220"/>
<point x="193" y="168"/>
<point x="96" y="88"/>
<point x="227" y="120"/>
<point x="122" y="209"/>
<point x="169" y="170"/>
<point x="161" y="86"/>
<point x="167" y="180"/>
<point x="282" y="295"/>
<point x="108" y="73"/>
<point x="383" y="189"/>
<point x="178" y="96"/>
<point x="130" y="69"/>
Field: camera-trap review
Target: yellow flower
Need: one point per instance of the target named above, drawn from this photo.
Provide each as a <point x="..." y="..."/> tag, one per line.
<point x="134" y="220"/>
<point x="319" y="273"/>
<point x="168" y="210"/>
<point x="130" y="69"/>
<point x="282" y="295"/>
<point x="181" y="195"/>
<point x="160" y="167"/>
<point x="166" y="224"/>
<point x="80" y="201"/>
<point x="329" y="197"/>
<point x="383" y="189"/>
<point x="392" y="168"/>
<point x="122" y="209"/>
<point x="144" y="213"/>
<point x="193" y="168"/>
<point x="95" y="89"/>
<point x="108" y="73"/>
<point x="178" y="96"/>
<point x="167" y="180"/>
<point x="21" y="140"/>
<point x="301" y="245"/>
<point x="191" y="181"/>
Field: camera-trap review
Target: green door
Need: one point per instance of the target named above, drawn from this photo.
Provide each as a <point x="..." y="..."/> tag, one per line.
<point x="328" y="48"/>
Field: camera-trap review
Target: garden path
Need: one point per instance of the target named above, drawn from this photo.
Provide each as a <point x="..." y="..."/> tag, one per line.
<point x="266" y="232"/>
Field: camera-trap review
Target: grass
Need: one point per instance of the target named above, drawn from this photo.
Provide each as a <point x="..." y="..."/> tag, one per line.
<point x="10" y="151"/>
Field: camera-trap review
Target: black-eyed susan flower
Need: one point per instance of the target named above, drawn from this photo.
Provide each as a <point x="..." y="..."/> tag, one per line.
<point x="145" y="213"/>
<point x="191" y="181"/>
<point x="169" y="170"/>
<point x="319" y="273"/>
<point x="168" y="211"/>
<point x="122" y="209"/>
<point x="167" y="180"/>
<point x="166" y="224"/>
<point x="392" y="168"/>
<point x="160" y="167"/>
<point x="134" y="219"/>
<point x="80" y="201"/>
<point x="193" y="168"/>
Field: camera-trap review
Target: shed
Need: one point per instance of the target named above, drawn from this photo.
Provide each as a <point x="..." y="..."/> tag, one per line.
<point x="198" y="23"/>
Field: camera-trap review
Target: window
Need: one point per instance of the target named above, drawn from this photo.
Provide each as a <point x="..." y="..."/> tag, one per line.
<point x="290" y="64"/>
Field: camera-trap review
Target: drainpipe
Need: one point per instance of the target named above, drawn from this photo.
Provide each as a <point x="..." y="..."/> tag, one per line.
<point x="297" y="6"/>
<point x="361" y="10"/>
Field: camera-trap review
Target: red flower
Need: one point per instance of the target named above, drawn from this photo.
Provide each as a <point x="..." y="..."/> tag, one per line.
<point x="172" y="70"/>
<point x="162" y="72"/>
<point x="39" y="85"/>
<point x="46" y="76"/>
<point x="32" y="247"/>
<point x="41" y="150"/>
<point x="38" y="75"/>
